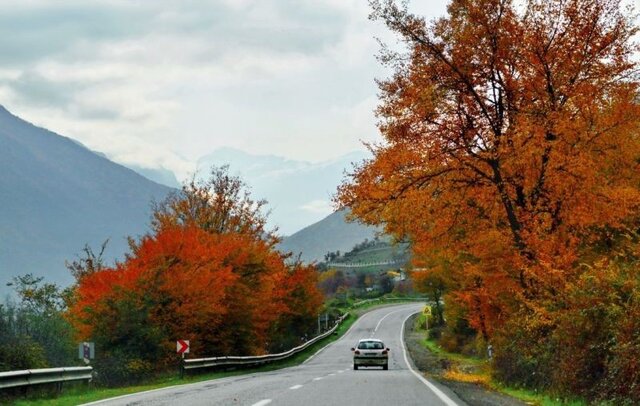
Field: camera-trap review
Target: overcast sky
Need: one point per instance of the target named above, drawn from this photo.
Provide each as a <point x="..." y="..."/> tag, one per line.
<point x="161" y="83"/>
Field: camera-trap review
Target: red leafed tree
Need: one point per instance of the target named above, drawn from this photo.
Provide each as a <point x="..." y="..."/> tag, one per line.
<point x="207" y="273"/>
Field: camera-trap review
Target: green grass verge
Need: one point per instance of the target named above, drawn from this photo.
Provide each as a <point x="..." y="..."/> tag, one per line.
<point x="81" y="394"/>
<point x="436" y="349"/>
<point x="466" y="368"/>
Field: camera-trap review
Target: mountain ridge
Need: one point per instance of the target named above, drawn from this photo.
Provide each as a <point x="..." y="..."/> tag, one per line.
<point x="331" y="234"/>
<point x="56" y="195"/>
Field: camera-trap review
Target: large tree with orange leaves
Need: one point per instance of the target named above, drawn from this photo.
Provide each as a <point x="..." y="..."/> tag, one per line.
<point x="511" y="146"/>
<point x="511" y="160"/>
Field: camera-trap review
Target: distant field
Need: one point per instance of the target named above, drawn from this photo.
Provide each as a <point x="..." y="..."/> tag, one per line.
<point x="382" y="257"/>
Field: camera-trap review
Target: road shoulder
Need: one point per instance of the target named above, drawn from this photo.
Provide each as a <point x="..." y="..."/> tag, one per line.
<point x="435" y="367"/>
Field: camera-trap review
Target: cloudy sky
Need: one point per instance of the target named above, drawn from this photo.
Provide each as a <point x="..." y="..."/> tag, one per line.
<point x="161" y="83"/>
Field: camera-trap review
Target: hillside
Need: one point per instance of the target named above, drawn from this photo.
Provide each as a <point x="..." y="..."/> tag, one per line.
<point x="333" y="233"/>
<point x="371" y="255"/>
<point x="56" y="195"/>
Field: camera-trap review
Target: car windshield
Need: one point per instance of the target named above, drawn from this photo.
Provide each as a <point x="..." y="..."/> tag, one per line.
<point x="370" y="345"/>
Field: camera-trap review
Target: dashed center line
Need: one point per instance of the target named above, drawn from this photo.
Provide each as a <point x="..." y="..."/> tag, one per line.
<point x="294" y="387"/>
<point x="380" y="321"/>
<point x="262" y="402"/>
<point x="317" y="379"/>
<point x="331" y="375"/>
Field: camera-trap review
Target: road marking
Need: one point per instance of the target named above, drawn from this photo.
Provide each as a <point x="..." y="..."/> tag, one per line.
<point x="331" y="375"/>
<point x="447" y="400"/>
<point x="317" y="379"/>
<point x="262" y="402"/>
<point x="165" y="389"/>
<point x="380" y="321"/>
<point x="294" y="387"/>
<point x="341" y="371"/>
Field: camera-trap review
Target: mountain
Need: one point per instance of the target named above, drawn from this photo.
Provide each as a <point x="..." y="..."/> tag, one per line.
<point x="299" y="192"/>
<point x="162" y="176"/>
<point x="331" y="234"/>
<point x="56" y="196"/>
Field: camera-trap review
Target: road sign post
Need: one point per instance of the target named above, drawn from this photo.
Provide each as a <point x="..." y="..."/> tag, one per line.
<point x="427" y="313"/>
<point x="86" y="352"/>
<point x="182" y="347"/>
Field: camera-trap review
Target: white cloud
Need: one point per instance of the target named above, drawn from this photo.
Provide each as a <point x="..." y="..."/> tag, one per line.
<point x="163" y="83"/>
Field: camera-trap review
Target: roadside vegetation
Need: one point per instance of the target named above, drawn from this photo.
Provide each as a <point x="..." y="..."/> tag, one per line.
<point x="33" y="330"/>
<point x="511" y="161"/>
<point x="464" y="373"/>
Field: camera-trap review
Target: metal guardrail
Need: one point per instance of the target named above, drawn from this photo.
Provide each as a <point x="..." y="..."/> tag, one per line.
<point x="384" y="299"/>
<point x="364" y="264"/>
<point x="191" y="364"/>
<point x="29" y="377"/>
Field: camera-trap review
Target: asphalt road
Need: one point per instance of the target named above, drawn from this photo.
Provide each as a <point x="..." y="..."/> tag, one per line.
<point x="327" y="378"/>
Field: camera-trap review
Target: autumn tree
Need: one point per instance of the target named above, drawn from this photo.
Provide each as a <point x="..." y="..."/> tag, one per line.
<point x="510" y="133"/>
<point x="510" y="146"/>
<point x="220" y="204"/>
<point x="88" y="262"/>
<point x="207" y="272"/>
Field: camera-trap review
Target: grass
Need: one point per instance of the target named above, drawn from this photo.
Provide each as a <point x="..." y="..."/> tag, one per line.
<point x="79" y="394"/>
<point x="451" y="356"/>
<point x="464" y="368"/>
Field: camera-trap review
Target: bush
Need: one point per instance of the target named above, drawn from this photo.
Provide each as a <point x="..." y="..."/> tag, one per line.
<point x="522" y="354"/>
<point x="118" y="369"/>
<point x="587" y="345"/>
<point x="21" y="352"/>
<point x="33" y="332"/>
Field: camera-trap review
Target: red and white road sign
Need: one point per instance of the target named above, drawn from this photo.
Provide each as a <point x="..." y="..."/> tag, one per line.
<point x="182" y="346"/>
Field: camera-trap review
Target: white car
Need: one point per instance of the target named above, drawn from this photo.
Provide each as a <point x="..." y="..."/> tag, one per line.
<point x="370" y="352"/>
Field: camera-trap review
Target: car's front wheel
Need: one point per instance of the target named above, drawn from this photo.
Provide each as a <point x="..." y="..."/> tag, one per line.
<point x="355" y="367"/>
<point x="385" y="367"/>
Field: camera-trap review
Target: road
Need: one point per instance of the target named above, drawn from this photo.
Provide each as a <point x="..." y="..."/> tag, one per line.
<point x="327" y="378"/>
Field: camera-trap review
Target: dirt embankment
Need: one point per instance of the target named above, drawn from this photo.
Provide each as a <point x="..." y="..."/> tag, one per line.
<point x="437" y="368"/>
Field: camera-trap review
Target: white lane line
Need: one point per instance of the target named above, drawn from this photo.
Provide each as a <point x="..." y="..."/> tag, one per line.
<point x="331" y="375"/>
<point x="294" y="387"/>
<point x="341" y="371"/>
<point x="447" y="400"/>
<point x="165" y="389"/>
<point x="317" y="379"/>
<point x="262" y="402"/>
<point x="380" y="321"/>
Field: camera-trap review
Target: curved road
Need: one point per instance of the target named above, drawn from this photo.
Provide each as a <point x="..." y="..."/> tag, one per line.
<point x="327" y="378"/>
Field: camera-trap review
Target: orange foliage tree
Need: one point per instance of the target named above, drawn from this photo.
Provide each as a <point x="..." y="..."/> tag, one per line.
<point x="510" y="146"/>
<point x="208" y="273"/>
